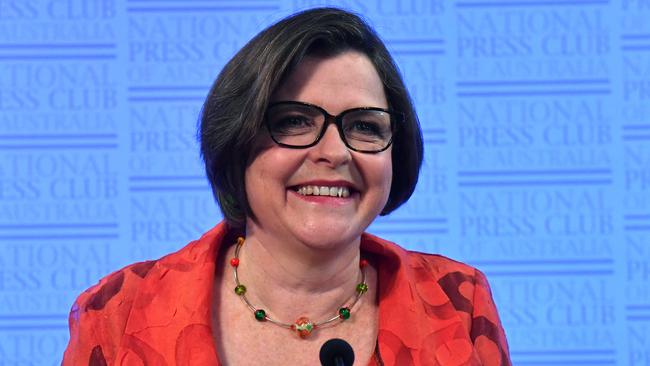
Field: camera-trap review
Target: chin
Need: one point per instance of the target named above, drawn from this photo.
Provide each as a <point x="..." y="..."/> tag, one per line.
<point x="328" y="235"/>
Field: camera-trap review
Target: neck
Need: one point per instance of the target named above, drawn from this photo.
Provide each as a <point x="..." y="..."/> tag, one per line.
<point x="289" y="278"/>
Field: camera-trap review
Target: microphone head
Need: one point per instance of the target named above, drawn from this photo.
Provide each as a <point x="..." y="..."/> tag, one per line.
<point x="336" y="352"/>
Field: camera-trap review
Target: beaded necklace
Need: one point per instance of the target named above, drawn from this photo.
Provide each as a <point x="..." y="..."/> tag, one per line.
<point x="303" y="326"/>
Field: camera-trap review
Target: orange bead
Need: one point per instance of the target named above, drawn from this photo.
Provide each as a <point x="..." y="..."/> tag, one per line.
<point x="303" y="326"/>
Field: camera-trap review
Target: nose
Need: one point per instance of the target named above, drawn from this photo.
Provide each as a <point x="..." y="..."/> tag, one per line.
<point x="331" y="149"/>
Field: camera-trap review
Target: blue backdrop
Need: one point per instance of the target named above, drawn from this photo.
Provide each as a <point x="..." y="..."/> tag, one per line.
<point x="536" y="118"/>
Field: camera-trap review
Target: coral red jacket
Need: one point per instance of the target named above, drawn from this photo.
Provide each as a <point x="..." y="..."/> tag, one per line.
<point x="432" y="311"/>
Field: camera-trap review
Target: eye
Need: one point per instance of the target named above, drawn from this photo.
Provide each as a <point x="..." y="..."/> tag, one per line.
<point x="367" y="125"/>
<point x="371" y="128"/>
<point x="291" y="124"/>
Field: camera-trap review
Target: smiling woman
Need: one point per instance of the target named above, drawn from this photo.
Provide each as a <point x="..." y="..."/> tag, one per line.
<point x="276" y="174"/>
<point x="308" y="134"/>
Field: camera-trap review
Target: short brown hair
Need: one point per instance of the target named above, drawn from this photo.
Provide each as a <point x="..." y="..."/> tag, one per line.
<point x="233" y="113"/>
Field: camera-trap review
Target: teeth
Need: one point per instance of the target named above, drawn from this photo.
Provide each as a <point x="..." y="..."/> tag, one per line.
<point x="324" y="191"/>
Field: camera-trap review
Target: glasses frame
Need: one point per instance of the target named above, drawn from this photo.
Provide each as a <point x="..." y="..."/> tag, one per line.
<point x="395" y="118"/>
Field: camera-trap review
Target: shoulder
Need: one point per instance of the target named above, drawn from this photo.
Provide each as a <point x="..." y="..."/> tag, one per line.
<point x="460" y="282"/>
<point x="100" y="314"/>
<point x="468" y="291"/>
<point x="439" y="264"/>
<point x="432" y="266"/>
<point x="125" y="283"/>
<point x="450" y="302"/>
<point x="464" y="285"/>
<point x="115" y="292"/>
<point x="122" y="283"/>
<point x="446" y="271"/>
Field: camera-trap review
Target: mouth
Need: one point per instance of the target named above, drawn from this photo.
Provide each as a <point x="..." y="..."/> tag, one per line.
<point x="323" y="190"/>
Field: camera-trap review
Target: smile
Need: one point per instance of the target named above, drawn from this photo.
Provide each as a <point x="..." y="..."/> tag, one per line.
<point x="324" y="191"/>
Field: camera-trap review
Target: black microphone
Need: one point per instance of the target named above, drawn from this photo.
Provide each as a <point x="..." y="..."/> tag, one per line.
<point x="336" y="352"/>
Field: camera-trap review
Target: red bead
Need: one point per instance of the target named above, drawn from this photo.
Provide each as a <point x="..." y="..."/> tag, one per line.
<point x="234" y="262"/>
<point x="363" y="263"/>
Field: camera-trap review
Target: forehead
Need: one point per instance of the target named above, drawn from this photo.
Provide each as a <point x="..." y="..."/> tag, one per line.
<point x="336" y="83"/>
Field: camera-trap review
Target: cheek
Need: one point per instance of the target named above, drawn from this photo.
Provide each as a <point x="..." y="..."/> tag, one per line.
<point x="388" y="178"/>
<point x="255" y="180"/>
<point x="381" y="175"/>
<point x="260" y="158"/>
<point x="269" y="171"/>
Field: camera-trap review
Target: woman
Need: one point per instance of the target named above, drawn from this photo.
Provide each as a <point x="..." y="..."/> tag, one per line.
<point x="307" y="134"/>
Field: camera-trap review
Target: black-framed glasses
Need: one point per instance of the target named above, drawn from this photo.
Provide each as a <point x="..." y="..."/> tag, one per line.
<point x="301" y="125"/>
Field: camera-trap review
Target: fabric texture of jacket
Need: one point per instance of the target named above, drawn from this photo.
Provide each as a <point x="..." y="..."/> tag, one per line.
<point x="432" y="310"/>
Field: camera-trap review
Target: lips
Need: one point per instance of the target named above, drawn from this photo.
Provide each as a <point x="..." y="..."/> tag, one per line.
<point x="325" y="188"/>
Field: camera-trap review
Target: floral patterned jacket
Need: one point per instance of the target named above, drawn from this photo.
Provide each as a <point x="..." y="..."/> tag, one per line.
<point x="432" y="311"/>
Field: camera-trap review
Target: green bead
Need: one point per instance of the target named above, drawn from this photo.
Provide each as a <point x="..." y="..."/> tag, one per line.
<point x="260" y="315"/>
<point x="344" y="313"/>
<point x="240" y="290"/>
<point x="362" y="288"/>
